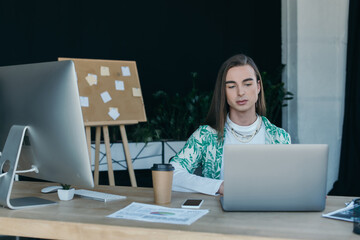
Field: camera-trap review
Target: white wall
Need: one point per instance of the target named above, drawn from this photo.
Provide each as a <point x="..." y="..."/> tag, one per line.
<point x="143" y="157"/>
<point x="314" y="39"/>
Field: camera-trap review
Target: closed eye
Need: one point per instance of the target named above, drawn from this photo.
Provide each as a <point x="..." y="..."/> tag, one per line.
<point x="230" y="84"/>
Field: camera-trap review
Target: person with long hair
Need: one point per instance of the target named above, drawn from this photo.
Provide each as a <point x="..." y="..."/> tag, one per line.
<point x="236" y="116"/>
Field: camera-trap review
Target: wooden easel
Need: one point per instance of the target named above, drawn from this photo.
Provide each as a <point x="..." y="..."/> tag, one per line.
<point x="105" y="130"/>
<point x="104" y="76"/>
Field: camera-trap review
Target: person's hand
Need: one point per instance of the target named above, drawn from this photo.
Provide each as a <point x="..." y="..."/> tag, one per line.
<point x="221" y="189"/>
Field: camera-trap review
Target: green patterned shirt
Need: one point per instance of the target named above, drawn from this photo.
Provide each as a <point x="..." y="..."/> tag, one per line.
<point x="204" y="148"/>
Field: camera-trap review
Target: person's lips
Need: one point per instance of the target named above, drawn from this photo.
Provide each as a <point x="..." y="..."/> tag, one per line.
<point x="241" y="102"/>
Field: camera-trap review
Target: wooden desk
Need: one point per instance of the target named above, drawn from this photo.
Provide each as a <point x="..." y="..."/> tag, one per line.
<point x="86" y="219"/>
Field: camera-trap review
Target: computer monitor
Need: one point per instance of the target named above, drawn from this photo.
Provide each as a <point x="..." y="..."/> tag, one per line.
<point x="42" y="131"/>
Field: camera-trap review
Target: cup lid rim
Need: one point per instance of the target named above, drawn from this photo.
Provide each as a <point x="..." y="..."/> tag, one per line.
<point x="162" y="167"/>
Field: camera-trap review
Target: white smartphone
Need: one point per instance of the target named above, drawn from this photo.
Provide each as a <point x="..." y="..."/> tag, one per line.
<point x="192" y="203"/>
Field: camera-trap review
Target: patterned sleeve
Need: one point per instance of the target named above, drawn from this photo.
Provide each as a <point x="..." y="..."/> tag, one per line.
<point x="276" y="135"/>
<point x="190" y="156"/>
<point x="283" y="136"/>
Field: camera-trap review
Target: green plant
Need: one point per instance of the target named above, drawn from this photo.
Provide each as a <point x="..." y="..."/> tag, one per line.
<point x="175" y="117"/>
<point x="66" y="186"/>
<point x="275" y="94"/>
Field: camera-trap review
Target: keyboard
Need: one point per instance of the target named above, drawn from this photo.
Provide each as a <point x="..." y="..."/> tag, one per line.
<point x="99" y="196"/>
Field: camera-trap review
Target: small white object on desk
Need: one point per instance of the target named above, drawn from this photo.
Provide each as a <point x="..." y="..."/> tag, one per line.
<point x="99" y="196"/>
<point x="50" y="189"/>
<point x="66" y="194"/>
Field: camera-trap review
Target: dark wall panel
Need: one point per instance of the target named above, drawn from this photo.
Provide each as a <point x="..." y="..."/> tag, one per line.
<point x="168" y="39"/>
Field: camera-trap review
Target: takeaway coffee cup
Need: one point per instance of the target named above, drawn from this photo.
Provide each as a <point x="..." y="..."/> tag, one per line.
<point x="162" y="175"/>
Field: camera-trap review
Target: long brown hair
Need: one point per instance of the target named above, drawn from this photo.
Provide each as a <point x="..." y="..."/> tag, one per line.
<point x="219" y="107"/>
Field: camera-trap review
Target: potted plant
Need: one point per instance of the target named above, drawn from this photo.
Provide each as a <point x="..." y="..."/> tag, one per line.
<point x="66" y="193"/>
<point x="276" y="95"/>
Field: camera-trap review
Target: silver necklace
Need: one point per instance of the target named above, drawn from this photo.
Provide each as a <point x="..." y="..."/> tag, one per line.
<point x="243" y="137"/>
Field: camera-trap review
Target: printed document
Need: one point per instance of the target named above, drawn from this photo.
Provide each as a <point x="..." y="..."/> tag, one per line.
<point x="345" y="214"/>
<point x="154" y="213"/>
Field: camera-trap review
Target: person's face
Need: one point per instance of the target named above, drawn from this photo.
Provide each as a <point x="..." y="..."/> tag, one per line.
<point x="242" y="89"/>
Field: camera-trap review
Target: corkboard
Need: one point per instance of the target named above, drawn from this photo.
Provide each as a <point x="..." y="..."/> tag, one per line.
<point x="110" y="92"/>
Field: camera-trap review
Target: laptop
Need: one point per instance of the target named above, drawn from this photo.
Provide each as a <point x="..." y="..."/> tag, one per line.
<point x="275" y="177"/>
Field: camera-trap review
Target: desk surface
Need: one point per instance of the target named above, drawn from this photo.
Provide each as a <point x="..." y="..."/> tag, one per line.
<point x="86" y="219"/>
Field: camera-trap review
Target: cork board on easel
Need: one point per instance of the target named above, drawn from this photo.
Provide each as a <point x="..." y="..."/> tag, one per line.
<point x="110" y="92"/>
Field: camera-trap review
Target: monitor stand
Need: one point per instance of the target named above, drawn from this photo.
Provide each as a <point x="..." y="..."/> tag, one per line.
<point x="9" y="159"/>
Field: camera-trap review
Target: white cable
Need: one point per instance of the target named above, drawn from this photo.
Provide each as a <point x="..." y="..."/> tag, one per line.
<point x="33" y="169"/>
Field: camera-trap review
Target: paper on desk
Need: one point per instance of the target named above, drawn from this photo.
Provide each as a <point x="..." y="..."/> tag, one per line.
<point x="345" y="214"/>
<point x="154" y="213"/>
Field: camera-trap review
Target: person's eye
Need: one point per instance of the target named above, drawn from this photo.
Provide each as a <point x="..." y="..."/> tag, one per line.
<point x="231" y="86"/>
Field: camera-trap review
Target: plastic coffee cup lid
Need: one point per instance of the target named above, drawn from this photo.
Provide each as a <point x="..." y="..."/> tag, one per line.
<point x="162" y="167"/>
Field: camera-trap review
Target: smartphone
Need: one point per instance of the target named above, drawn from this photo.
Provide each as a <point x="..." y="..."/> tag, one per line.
<point x="192" y="203"/>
